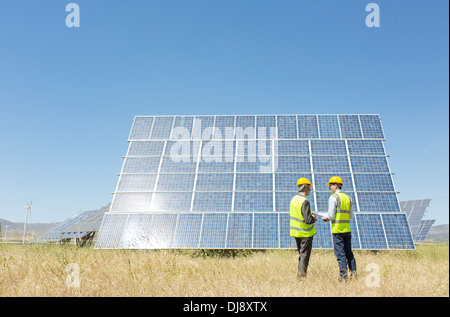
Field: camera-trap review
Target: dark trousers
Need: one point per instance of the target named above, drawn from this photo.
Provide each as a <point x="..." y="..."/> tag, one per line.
<point x="304" y="247"/>
<point x="343" y="252"/>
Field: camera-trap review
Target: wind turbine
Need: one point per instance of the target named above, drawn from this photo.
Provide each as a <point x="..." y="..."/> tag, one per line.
<point x="28" y="209"/>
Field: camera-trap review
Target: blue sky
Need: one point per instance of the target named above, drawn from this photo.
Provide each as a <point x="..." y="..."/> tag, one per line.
<point x="68" y="95"/>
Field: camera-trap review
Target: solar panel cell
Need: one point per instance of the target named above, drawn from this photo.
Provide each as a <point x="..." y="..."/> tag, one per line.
<point x="371" y="231"/>
<point x="287" y="127"/>
<point x="162" y="128"/>
<point x="141" y="128"/>
<point x="307" y="127"/>
<point x="397" y="231"/>
<point x="213" y="201"/>
<point x="371" y="126"/>
<point x="329" y="127"/>
<point x="265" y="233"/>
<point x="253" y="201"/>
<point x="350" y="126"/>
<point x="239" y="233"/>
<point x="214" y="228"/>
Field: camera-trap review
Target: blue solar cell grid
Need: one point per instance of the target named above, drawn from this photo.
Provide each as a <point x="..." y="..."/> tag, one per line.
<point x="397" y="231"/>
<point x="162" y="128"/>
<point x="227" y="182"/>
<point x="329" y="127"/>
<point x="141" y="128"/>
<point x="214" y="228"/>
<point x="328" y="147"/>
<point x="350" y="126"/>
<point x="146" y="148"/>
<point x="365" y="147"/>
<point x="307" y="127"/>
<point x="371" y="231"/>
<point x="213" y="201"/>
<point x="292" y="147"/>
<point x="287" y="127"/>
<point x="371" y="126"/>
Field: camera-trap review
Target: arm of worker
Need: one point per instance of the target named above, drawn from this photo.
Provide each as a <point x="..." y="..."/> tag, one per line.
<point x="309" y="217"/>
<point x="332" y="204"/>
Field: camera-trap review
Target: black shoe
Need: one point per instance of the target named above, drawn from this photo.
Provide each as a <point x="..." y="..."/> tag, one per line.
<point x="343" y="279"/>
<point x="353" y="275"/>
<point x="301" y="277"/>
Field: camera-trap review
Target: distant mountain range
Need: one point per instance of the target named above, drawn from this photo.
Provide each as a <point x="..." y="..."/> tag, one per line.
<point x="438" y="233"/>
<point x="14" y="230"/>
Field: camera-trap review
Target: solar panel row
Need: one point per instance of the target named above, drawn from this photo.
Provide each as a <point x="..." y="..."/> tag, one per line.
<point x="243" y="230"/>
<point x="425" y="226"/>
<point x="288" y="126"/>
<point x="242" y="201"/>
<point x="415" y="210"/>
<point x="77" y="227"/>
<point x="247" y="182"/>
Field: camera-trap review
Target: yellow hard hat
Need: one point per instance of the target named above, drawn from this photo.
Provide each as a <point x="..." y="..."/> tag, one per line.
<point x="304" y="181"/>
<point x="335" y="180"/>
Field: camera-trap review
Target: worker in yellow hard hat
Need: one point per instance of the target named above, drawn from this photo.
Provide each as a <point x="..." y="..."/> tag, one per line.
<point x="302" y="225"/>
<point x="339" y="213"/>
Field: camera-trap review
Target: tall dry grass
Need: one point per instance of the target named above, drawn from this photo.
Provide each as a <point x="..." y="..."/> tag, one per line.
<point x="41" y="270"/>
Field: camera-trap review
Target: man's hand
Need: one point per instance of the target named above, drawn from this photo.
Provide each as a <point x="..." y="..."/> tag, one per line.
<point x="314" y="216"/>
<point x="325" y="219"/>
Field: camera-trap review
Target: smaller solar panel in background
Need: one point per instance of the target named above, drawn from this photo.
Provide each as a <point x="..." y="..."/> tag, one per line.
<point x="425" y="226"/>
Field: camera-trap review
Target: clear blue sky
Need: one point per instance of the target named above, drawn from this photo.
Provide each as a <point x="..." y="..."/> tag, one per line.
<point x="68" y="95"/>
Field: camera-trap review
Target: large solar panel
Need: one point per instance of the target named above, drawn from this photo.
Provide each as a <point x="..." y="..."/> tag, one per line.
<point x="227" y="181"/>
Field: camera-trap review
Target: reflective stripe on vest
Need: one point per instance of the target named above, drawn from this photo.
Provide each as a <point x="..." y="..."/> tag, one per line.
<point x="341" y="222"/>
<point x="298" y="227"/>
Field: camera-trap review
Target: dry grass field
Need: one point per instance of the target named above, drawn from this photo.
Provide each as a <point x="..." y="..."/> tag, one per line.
<point x="46" y="270"/>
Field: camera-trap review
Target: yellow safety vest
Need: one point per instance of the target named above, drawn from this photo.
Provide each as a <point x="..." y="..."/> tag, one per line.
<point x="298" y="227"/>
<point x="341" y="222"/>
